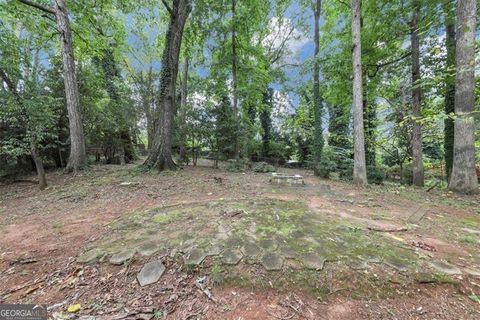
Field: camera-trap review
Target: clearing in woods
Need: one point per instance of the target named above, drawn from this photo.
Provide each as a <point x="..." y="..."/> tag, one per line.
<point x="209" y="244"/>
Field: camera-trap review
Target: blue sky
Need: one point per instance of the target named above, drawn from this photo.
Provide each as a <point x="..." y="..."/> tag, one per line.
<point x="294" y="78"/>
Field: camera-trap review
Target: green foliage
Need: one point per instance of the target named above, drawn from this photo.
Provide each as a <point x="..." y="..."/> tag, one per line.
<point x="216" y="274"/>
<point x="376" y="174"/>
<point x="238" y="165"/>
<point x="335" y="161"/>
<point x="263" y="167"/>
<point x="327" y="164"/>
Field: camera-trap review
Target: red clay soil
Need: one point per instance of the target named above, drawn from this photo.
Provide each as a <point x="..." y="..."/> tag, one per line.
<point x="44" y="231"/>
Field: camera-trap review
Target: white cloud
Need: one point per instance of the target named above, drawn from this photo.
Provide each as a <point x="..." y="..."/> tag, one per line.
<point x="283" y="37"/>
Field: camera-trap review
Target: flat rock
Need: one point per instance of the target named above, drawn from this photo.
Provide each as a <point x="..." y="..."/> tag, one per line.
<point x="187" y="245"/>
<point x="357" y="264"/>
<point x="288" y="252"/>
<point x="397" y="264"/>
<point x="121" y="257"/>
<point x="231" y="256"/>
<point x="445" y="267"/>
<point x="222" y="232"/>
<point x="234" y="242"/>
<point x="90" y="256"/>
<point x="293" y="264"/>
<point x="472" y="231"/>
<point x="251" y="250"/>
<point x="268" y="244"/>
<point x="313" y="261"/>
<point x="194" y="257"/>
<point x="472" y="272"/>
<point x="272" y="261"/>
<point x="150" y="273"/>
<point x="214" y="250"/>
<point x="370" y="258"/>
<point x="147" y="249"/>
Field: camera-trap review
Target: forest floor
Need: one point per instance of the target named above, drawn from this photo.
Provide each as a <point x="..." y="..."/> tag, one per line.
<point x="234" y="246"/>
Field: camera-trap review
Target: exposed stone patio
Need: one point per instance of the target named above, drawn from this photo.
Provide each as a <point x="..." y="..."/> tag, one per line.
<point x="276" y="235"/>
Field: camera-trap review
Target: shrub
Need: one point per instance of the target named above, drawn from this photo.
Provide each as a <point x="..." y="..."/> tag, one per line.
<point x="263" y="167"/>
<point x="375" y="174"/>
<point x="238" y="165"/>
<point x="335" y="160"/>
<point x="325" y="167"/>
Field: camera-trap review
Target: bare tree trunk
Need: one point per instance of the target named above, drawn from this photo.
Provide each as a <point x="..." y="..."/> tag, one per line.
<point x="417" y="152"/>
<point x="183" y="108"/>
<point x="234" y="76"/>
<point x="318" y="136"/>
<point x="463" y="177"/>
<point x="42" y="180"/>
<point x="160" y="156"/>
<point x="78" y="156"/>
<point x="148" y="101"/>
<point x="359" y="167"/>
<point x="449" y="85"/>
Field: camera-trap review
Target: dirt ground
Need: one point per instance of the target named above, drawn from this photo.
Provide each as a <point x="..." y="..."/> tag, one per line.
<point x="44" y="233"/>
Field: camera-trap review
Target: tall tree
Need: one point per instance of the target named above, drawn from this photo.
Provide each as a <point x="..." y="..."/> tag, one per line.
<point x="160" y="156"/>
<point x="30" y="132"/>
<point x="318" y="137"/>
<point x="266" y="121"/>
<point x="359" y="167"/>
<point x="463" y="177"/>
<point x="417" y="153"/>
<point x="183" y="108"/>
<point x="234" y="72"/>
<point x="449" y="19"/>
<point x="78" y="155"/>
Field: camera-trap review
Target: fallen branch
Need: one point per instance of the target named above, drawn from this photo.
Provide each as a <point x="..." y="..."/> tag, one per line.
<point x="386" y="230"/>
<point x="206" y="292"/>
<point x="434" y="186"/>
<point x="23" y="286"/>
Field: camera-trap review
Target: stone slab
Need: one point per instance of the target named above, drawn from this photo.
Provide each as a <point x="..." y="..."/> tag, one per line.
<point x="231" y="256"/>
<point x="313" y="261"/>
<point x="445" y="267"/>
<point x="194" y="257"/>
<point x="272" y="261"/>
<point x="121" y="257"/>
<point x="150" y="273"/>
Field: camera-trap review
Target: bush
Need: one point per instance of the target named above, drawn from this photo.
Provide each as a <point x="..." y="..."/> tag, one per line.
<point x="375" y="174"/>
<point x="325" y="167"/>
<point x="263" y="167"/>
<point x="335" y="160"/>
<point x="238" y="165"/>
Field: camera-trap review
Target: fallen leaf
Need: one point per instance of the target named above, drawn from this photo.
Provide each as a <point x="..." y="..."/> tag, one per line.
<point x="74" y="308"/>
<point x="397" y="238"/>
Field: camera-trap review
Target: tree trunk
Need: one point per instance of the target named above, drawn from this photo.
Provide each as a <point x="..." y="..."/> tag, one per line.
<point x="266" y="122"/>
<point x="369" y="125"/>
<point x="160" y="156"/>
<point x="42" y="180"/>
<point x="147" y="96"/>
<point x="449" y="85"/>
<point x="234" y="77"/>
<point x="417" y="152"/>
<point x="78" y="157"/>
<point x="183" y="109"/>
<point x="463" y="177"/>
<point x="112" y="75"/>
<point x="318" y="135"/>
<point x="359" y="168"/>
